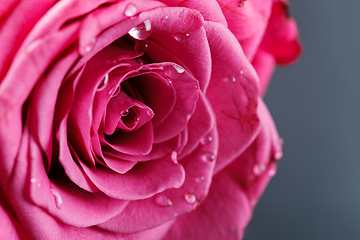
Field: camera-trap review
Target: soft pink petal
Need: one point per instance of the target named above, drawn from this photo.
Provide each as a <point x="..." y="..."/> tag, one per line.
<point x="233" y="93"/>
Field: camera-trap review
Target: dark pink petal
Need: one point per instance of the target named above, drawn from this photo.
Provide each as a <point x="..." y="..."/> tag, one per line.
<point x="264" y="64"/>
<point x="171" y="203"/>
<point x="247" y="20"/>
<point x="281" y="38"/>
<point x="142" y="181"/>
<point x="156" y="93"/>
<point x="10" y="228"/>
<point x="233" y="93"/>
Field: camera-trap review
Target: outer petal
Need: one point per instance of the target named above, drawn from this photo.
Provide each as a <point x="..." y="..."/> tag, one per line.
<point x="247" y="21"/>
<point x="281" y="37"/>
<point x="234" y="191"/>
<point x="10" y="228"/>
<point x="233" y="93"/>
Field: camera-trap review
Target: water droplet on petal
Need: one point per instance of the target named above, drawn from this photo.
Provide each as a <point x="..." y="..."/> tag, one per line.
<point x="141" y="46"/>
<point x="141" y="31"/>
<point x="115" y="90"/>
<point x="242" y="71"/>
<point x="278" y="155"/>
<point x="259" y="168"/>
<point x="104" y="83"/>
<point x="130" y="10"/>
<point x="190" y="198"/>
<point x="187" y="34"/>
<point x="33" y="180"/>
<point x="209" y="157"/>
<point x="58" y="199"/>
<point x="232" y="79"/>
<point x="150" y="112"/>
<point x="90" y="46"/>
<point x="205" y="140"/>
<point x="178" y="68"/>
<point x="174" y="156"/>
<point x="199" y="179"/>
<point x="163" y="201"/>
<point x="272" y="170"/>
<point x="252" y="203"/>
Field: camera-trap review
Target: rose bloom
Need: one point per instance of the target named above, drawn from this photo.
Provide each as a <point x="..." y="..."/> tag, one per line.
<point x="138" y="119"/>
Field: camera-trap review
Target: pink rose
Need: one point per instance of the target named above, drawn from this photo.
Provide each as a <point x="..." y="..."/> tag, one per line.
<point x="137" y="119"/>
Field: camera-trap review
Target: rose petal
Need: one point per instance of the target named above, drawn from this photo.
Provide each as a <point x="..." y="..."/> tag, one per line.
<point x="247" y="21"/>
<point x="232" y="92"/>
<point x="281" y="37"/>
<point x="10" y="228"/>
<point x="226" y="210"/>
<point x="187" y="95"/>
<point x="142" y="181"/>
<point x="178" y="37"/>
<point x="264" y="64"/>
<point x="151" y="212"/>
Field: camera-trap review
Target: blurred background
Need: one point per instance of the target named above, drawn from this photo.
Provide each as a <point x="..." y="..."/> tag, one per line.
<point x="315" y="104"/>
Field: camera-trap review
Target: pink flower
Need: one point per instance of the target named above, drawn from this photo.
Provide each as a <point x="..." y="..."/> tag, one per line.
<point x="137" y="119"/>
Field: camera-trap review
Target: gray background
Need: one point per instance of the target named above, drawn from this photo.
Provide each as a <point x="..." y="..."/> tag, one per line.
<point x="315" y="104"/>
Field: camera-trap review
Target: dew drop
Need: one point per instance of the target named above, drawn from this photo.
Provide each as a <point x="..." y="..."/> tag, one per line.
<point x="141" y="47"/>
<point x="150" y="112"/>
<point x="130" y="10"/>
<point x="199" y="179"/>
<point x="232" y="79"/>
<point x="58" y="199"/>
<point x="174" y="156"/>
<point x="252" y="203"/>
<point x="205" y="140"/>
<point x="242" y="71"/>
<point x="163" y="201"/>
<point x="33" y="180"/>
<point x="209" y="157"/>
<point x="104" y="83"/>
<point x="272" y="170"/>
<point x="90" y="46"/>
<point x="190" y="198"/>
<point x="178" y="68"/>
<point x="115" y="90"/>
<point x="259" y="168"/>
<point x="141" y="31"/>
<point x="278" y="155"/>
<point x="187" y="34"/>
